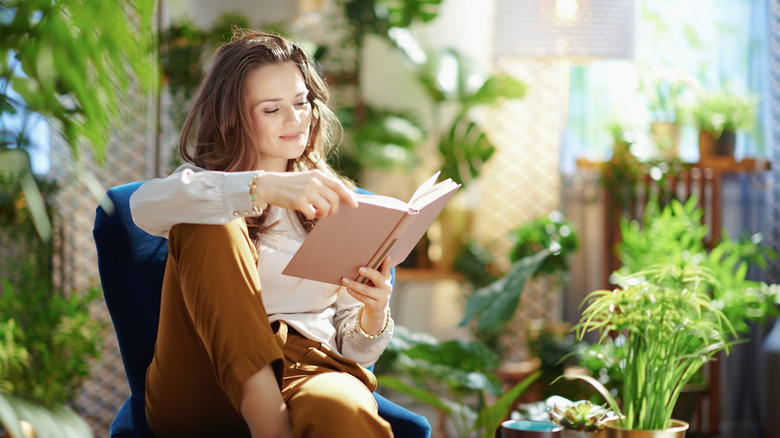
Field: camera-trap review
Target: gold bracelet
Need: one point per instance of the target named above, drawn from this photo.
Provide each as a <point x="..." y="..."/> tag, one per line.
<point x="360" y="331"/>
<point x="256" y="209"/>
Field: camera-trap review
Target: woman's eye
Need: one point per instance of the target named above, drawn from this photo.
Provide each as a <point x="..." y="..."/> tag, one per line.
<point x="271" y="111"/>
<point x="302" y="104"/>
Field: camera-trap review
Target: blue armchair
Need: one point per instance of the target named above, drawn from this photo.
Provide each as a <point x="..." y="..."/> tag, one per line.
<point x="131" y="264"/>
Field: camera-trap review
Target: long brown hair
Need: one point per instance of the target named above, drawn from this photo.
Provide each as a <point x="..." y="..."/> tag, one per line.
<point x="219" y="133"/>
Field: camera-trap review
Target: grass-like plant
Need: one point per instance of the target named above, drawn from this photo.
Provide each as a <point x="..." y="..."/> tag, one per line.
<point x="671" y="328"/>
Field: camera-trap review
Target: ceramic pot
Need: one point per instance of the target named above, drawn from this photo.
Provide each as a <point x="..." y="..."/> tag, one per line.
<point x="530" y="429"/>
<point x="726" y="144"/>
<point x="676" y="429"/>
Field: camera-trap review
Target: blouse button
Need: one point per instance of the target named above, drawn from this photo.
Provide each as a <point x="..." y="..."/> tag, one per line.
<point x="235" y="213"/>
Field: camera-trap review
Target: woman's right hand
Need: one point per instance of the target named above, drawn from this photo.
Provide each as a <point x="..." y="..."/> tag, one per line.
<point x="311" y="192"/>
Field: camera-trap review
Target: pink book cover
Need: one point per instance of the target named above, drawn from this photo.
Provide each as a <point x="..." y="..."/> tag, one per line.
<point x="338" y="245"/>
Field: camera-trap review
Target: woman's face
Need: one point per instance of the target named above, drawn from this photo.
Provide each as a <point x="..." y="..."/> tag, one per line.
<point x="281" y="112"/>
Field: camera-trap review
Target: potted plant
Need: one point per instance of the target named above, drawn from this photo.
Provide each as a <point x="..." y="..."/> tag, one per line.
<point x="581" y="419"/>
<point x="666" y="88"/>
<point x="670" y="327"/>
<point x="718" y="116"/>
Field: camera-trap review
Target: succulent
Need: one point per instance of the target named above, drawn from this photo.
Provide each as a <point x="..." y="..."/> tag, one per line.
<point x="582" y="416"/>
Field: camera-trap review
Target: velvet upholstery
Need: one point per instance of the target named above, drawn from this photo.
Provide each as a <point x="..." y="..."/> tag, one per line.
<point x="131" y="264"/>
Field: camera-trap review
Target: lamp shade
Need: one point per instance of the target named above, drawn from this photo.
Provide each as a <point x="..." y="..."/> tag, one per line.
<point x="565" y="28"/>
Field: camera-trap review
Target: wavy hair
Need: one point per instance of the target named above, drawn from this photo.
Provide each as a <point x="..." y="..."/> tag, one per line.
<point x="219" y="134"/>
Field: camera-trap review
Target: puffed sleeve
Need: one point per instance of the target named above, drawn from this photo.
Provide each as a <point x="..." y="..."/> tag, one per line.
<point x="350" y="343"/>
<point x="191" y="195"/>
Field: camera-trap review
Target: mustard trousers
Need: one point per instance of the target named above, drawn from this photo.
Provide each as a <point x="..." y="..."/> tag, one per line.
<point x="214" y="333"/>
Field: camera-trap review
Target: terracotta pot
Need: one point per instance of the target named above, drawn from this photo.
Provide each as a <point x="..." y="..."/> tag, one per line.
<point x="706" y="144"/>
<point x="676" y="429"/>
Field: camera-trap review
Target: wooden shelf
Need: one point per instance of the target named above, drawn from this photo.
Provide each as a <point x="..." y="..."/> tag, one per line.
<point x="720" y="164"/>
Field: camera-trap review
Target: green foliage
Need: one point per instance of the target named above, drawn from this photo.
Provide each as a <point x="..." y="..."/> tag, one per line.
<point x="464" y="149"/>
<point x="184" y="50"/>
<point x="553" y="232"/>
<point x="670" y="235"/>
<point x="378" y="16"/>
<point x="494" y="305"/>
<point x="621" y="174"/>
<point x="48" y="336"/>
<point x="556" y="349"/>
<point x="671" y="329"/>
<point x="602" y="361"/>
<point x="583" y="416"/>
<point x="674" y="235"/>
<point x="448" y="78"/>
<point x="385" y="139"/>
<point x="13" y="356"/>
<point x="447" y="376"/>
<point x="476" y="264"/>
<point x="453" y="86"/>
<point x="78" y="58"/>
<point x="721" y="111"/>
<point x="402" y="13"/>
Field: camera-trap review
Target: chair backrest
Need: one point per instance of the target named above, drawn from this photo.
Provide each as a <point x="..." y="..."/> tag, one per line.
<point x="131" y="264"/>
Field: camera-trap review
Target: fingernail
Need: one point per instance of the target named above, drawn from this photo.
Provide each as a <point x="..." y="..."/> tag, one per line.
<point x="344" y="281"/>
<point x="363" y="270"/>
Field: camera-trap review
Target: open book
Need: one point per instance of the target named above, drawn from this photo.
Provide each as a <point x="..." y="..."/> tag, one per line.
<point x="380" y="226"/>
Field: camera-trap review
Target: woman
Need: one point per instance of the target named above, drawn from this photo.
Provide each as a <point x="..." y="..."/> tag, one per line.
<point x="232" y="358"/>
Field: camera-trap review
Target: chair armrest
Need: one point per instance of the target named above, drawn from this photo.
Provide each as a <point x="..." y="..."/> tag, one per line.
<point x="130" y="421"/>
<point x="404" y="422"/>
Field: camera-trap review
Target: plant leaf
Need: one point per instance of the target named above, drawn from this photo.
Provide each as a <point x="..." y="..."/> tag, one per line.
<point x="494" y="304"/>
<point x="598" y="386"/>
<point x="9" y="419"/>
<point x="495" y="88"/>
<point x="427" y="397"/>
<point x="491" y="416"/>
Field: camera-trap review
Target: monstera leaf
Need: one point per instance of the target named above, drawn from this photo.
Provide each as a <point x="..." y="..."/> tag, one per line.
<point x="464" y="149"/>
<point x="401" y="13"/>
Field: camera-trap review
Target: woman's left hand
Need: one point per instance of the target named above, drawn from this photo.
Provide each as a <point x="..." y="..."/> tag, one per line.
<point x="374" y="294"/>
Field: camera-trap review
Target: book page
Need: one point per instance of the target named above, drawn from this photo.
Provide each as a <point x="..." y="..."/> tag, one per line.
<point x="382" y="201"/>
<point x="429" y="195"/>
<point x="424" y="188"/>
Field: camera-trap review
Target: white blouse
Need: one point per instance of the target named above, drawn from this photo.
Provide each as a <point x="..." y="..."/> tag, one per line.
<point x="320" y="311"/>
